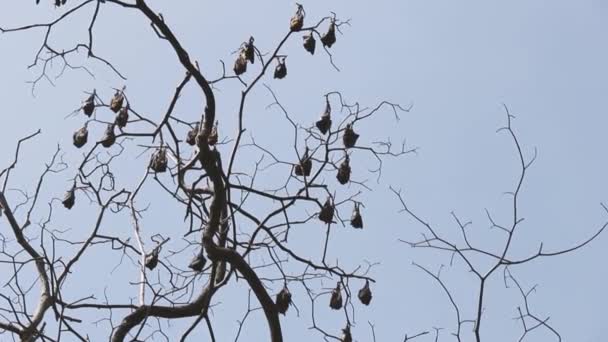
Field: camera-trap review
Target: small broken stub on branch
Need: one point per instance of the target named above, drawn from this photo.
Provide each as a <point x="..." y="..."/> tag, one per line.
<point x="117" y="100"/>
<point x="324" y="123"/>
<point x="350" y="137"/>
<point x="327" y="211"/>
<point x="198" y="262"/>
<point x="250" y="51"/>
<point x="122" y="117"/>
<point x="329" y="38"/>
<point x="240" y="64"/>
<point x="203" y="135"/>
<point x="356" y="221"/>
<point x="191" y="137"/>
<point x="297" y="21"/>
<point x="81" y="136"/>
<point x="89" y="105"/>
<point x="346" y="336"/>
<point x="213" y="136"/>
<point x="109" y="138"/>
<point x="152" y="259"/>
<point x="305" y="166"/>
<point x="365" y="294"/>
<point x="309" y="43"/>
<point x="343" y="175"/>
<point x="283" y="300"/>
<point x="281" y="69"/>
<point x="69" y="198"/>
<point x="335" y="302"/>
<point x="158" y="162"/>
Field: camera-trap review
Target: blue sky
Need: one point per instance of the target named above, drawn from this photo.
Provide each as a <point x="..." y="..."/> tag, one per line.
<point x="455" y="62"/>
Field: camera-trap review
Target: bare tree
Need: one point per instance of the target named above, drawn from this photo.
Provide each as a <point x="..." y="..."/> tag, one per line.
<point x="239" y="199"/>
<point x="486" y="263"/>
<point x="235" y="226"/>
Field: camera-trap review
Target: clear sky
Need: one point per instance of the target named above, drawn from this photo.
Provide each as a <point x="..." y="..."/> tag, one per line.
<point x="456" y="62"/>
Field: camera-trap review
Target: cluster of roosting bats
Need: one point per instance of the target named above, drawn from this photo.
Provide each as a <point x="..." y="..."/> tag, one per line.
<point x="158" y="160"/>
